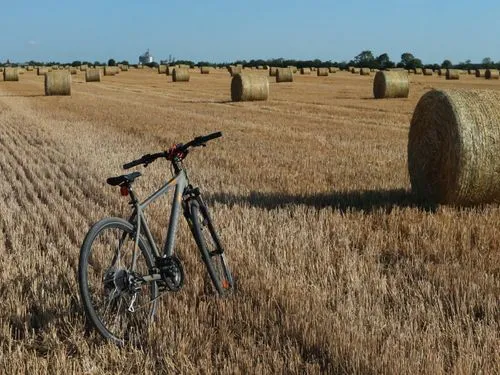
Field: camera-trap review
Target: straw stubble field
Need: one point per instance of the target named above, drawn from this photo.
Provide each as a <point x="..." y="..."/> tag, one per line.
<point x="338" y="270"/>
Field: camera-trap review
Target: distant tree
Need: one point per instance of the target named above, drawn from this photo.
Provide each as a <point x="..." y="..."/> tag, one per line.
<point x="124" y="62"/>
<point x="384" y="61"/>
<point x="415" y="63"/>
<point x="111" y="62"/>
<point x="97" y="63"/>
<point x="364" y="59"/>
<point x="446" y="64"/>
<point x="487" y="62"/>
<point x="76" y="63"/>
<point x="407" y="58"/>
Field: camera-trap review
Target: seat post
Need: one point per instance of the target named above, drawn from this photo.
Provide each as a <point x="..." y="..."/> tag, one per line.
<point x="133" y="198"/>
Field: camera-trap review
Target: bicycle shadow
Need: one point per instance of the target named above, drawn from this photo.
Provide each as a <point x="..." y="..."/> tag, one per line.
<point x="356" y="200"/>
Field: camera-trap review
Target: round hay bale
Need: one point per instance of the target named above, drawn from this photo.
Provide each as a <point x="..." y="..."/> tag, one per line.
<point x="333" y="69"/>
<point x="305" y="70"/>
<point x="356" y="71"/>
<point x="180" y="75"/>
<point x="322" y="72"/>
<point x="109" y="71"/>
<point x="284" y="75"/>
<point x="235" y="69"/>
<point x="124" y="68"/>
<point x="21" y="71"/>
<point x="249" y="87"/>
<point x="393" y="84"/>
<point x="41" y="71"/>
<point x="480" y="73"/>
<point x="83" y="67"/>
<point x="73" y="70"/>
<point x="162" y="69"/>
<point x="452" y="74"/>
<point x="428" y="72"/>
<point x="364" y="71"/>
<point x="29" y="68"/>
<point x="293" y="68"/>
<point x="93" y="75"/>
<point x="11" y="74"/>
<point x="492" y="74"/>
<point x="205" y="70"/>
<point x="58" y="83"/>
<point x="442" y="72"/>
<point x="453" y="143"/>
<point x="272" y="71"/>
<point x="418" y="71"/>
<point x="170" y="70"/>
<point x="472" y="71"/>
<point x="260" y="67"/>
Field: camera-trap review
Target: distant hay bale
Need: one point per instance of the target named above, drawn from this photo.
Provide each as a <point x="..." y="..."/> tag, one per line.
<point x="29" y="68"/>
<point x="170" y="70"/>
<point x="180" y="75"/>
<point x="58" y="83"/>
<point x="205" y="70"/>
<point x="272" y="71"/>
<point x="364" y="71"/>
<point x="428" y="72"/>
<point x="314" y="69"/>
<point x="84" y="67"/>
<point x="21" y="71"/>
<point x="260" y="67"/>
<point x="124" y="68"/>
<point x="73" y="70"/>
<point x="492" y="74"/>
<point x="11" y="74"/>
<point x="305" y="70"/>
<point x="333" y="69"/>
<point x="452" y="74"/>
<point x="322" y="72"/>
<point x="355" y="70"/>
<point x="235" y="69"/>
<point x="442" y="72"/>
<point x="392" y="84"/>
<point x="162" y="69"/>
<point x="472" y="71"/>
<point x="42" y="70"/>
<point x="93" y="75"/>
<point x="293" y="69"/>
<point x="453" y="143"/>
<point x="249" y="87"/>
<point x="284" y="75"/>
<point x="480" y="73"/>
<point x="418" y="71"/>
<point x="109" y="71"/>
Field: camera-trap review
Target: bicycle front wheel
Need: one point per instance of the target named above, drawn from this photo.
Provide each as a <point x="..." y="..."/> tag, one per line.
<point x="116" y="300"/>
<point x="210" y="247"/>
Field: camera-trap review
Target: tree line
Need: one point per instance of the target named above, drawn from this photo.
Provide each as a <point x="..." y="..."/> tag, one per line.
<point x="365" y="59"/>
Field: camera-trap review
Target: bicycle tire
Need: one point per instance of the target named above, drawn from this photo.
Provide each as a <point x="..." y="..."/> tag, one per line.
<point x="211" y="251"/>
<point x="86" y="252"/>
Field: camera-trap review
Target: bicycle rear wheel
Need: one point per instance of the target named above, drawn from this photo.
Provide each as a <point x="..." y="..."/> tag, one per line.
<point x="210" y="247"/>
<point x="116" y="302"/>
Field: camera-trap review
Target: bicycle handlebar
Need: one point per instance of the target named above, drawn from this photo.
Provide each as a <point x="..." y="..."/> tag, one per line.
<point x="180" y="150"/>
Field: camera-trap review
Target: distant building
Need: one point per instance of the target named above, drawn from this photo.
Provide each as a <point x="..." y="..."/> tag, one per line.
<point x="146" y="58"/>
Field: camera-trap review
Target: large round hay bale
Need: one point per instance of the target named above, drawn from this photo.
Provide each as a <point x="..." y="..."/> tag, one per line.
<point x="452" y="74"/>
<point x="417" y="71"/>
<point x="93" y="75"/>
<point x="235" y="69"/>
<point x="180" y="75"/>
<point x="249" y="87"/>
<point x="364" y="71"/>
<point x="428" y="72"/>
<point x="322" y="72"/>
<point x="11" y="74"/>
<point x="205" y="70"/>
<point x="58" y="83"/>
<point x="272" y="71"/>
<point x="492" y="74"/>
<point x="480" y="73"/>
<point x="110" y="70"/>
<point x="284" y="75"/>
<point x="453" y="147"/>
<point x="162" y="69"/>
<point x="305" y="70"/>
<point x="393" y="84"/>
<point x="333" y="69"/>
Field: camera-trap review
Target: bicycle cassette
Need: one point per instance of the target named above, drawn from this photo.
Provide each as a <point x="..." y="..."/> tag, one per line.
<point x="172" y="272"/>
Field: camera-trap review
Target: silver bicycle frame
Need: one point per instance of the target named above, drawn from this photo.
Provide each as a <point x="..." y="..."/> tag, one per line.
<point x="179" y="182"/>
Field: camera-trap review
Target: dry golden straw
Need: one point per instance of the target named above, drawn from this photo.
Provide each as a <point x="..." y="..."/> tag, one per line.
<point x="58" y="83"/>
<point x="11" y="74"/>
<point x="249" y="87"/>
<point x="492" y="74"/>
<point x="180" y="75"/>
<point x="322" y="72"/>
<point x="452" y="74"/>
<point x="284" y="75"/>
<point x="453" y="147"/>
<point x="393" y="84"/>
<point x="93" y="75"/>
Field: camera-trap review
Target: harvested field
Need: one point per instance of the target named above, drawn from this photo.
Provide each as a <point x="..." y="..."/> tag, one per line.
<point x="340" y="272"/>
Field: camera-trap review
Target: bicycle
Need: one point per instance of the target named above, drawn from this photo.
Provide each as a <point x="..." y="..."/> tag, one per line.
<point x="121" y="271"/>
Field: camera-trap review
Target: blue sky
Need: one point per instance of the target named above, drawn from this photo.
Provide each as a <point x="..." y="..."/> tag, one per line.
<point x="221" y="31"/>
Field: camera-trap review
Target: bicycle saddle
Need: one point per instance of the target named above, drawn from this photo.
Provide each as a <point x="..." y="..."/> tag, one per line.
<point x="123" y="179"/>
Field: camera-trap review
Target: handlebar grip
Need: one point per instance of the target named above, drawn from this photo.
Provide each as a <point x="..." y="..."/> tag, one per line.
<point x="132" y="164"/>
<point x="211" y="136"/>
